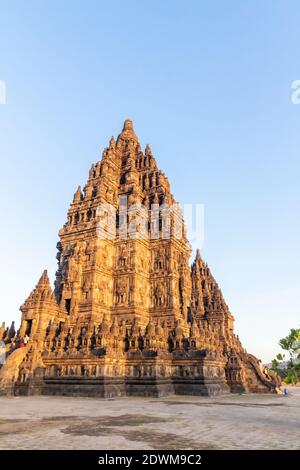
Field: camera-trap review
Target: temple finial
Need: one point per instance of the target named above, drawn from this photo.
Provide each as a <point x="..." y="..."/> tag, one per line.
<point x="148" y="151"/>
<point x="112" y="143"/>
<point x="128" y="132"/>
<point x="44" y="279"/>
<point x="128" y="125"/>
<point x="78" y="195"/>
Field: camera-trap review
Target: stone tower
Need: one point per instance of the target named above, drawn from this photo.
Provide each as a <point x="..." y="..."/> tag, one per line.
<point x="120" y="271"/>
<point x="128" y="315"/>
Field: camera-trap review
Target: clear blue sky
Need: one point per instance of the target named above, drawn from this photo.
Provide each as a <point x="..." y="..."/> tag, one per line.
<point x="208" y="85"/>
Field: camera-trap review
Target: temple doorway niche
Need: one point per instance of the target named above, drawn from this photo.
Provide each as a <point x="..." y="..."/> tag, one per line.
<point x="68" y="305"/>
<point x="28" y="327"/>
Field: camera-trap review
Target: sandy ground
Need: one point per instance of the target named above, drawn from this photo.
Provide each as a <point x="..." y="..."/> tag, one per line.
<point x="228" y="422"/>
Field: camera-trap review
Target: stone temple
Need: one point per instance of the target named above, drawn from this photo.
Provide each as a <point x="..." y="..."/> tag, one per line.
<point x="128" y="315"/>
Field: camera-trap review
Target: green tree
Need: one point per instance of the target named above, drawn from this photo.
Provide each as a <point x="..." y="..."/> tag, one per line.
<point x="290" y="343"/>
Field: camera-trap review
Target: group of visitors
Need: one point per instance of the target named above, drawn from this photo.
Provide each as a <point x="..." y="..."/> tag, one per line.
<point x="18" y="342"/>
